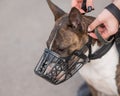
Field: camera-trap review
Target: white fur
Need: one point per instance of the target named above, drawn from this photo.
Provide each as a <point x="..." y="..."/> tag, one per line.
<point x="100" y="73"/>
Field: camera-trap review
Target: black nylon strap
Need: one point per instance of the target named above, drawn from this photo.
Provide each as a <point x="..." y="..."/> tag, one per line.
<point x="84" y="5"/>
<point x="101" y="39"/>
<point x="102" y="51"/>
<point x="117" y="41"/>
<point x="97" y="54"/>
<point x="114" y="10"/>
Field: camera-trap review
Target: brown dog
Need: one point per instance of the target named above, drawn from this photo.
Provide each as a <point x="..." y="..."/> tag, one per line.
<point x="102" y="75"/>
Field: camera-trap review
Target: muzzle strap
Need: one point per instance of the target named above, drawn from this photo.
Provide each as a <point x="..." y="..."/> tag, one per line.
<point x="102" y="51"/>
<point x="100" y="38"/>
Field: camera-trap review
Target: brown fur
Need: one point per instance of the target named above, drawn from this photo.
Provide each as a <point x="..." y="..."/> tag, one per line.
<point x="71" y="34"/>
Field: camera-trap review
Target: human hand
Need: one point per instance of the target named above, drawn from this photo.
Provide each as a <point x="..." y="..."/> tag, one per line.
<point x="83" y="7"/>
<point x="110" y="23"/>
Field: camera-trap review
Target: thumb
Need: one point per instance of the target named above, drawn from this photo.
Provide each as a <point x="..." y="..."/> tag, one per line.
<point x="93" y="25"/>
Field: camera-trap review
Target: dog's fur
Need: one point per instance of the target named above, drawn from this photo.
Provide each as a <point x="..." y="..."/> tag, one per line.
<point x="102" y="75"/>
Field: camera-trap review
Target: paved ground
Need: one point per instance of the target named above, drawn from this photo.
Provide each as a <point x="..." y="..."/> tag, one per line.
<point x="24" y="27"/>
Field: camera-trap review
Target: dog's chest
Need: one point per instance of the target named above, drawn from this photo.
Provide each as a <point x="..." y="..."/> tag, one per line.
<point x="100" y="73"/>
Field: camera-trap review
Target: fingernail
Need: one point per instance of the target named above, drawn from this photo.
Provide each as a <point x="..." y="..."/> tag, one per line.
<point x="89" y="8"/>
<point x="89" y="29"/>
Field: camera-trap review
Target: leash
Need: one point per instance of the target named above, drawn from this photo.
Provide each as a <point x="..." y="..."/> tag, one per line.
<point x="106" y="45"/>
<point x="100" y="38"/>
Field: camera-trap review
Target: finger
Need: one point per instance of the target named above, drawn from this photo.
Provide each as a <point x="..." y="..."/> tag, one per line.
<point x="81" y="11"/>
<point x="92" y="35"/>
<point x="90" y="4"/>
<point x="76" y="3"/>
<point x="105" y="35"/>
<point x="93" y="25"/>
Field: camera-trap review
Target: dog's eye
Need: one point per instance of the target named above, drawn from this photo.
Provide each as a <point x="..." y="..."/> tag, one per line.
<point x="61" y="50"/>
<point x="69" y="25"/>
<point x="72" y="26"/>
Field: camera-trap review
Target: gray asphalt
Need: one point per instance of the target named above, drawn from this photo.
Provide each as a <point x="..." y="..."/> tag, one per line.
<point x="24" y="28"/>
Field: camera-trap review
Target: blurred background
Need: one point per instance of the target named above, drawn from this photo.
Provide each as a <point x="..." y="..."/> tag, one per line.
<point x="24" y="29"/>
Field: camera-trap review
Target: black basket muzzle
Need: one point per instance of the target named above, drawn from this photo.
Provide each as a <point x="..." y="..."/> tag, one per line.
<point x="55" y="69"/>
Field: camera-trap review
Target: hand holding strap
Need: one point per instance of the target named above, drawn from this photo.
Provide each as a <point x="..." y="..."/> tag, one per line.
<point x="101" y="39"/>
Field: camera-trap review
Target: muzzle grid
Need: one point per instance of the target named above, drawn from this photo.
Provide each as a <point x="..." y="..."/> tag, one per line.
<point x="55" y="69"/>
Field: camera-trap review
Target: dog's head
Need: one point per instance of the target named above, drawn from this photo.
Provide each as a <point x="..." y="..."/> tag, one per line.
<point x="70" y="30"/>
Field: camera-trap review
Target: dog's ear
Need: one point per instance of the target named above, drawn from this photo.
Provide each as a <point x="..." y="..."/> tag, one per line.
<point x="75" y="17"/>
<point x="56" y="10"/>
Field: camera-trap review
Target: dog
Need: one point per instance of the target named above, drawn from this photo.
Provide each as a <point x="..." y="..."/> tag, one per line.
<point x="102" y="75"/>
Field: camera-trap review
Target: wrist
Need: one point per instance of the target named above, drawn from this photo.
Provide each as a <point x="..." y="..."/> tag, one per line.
<point x="117" y="3"/>
<point x="112" y="8"/>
